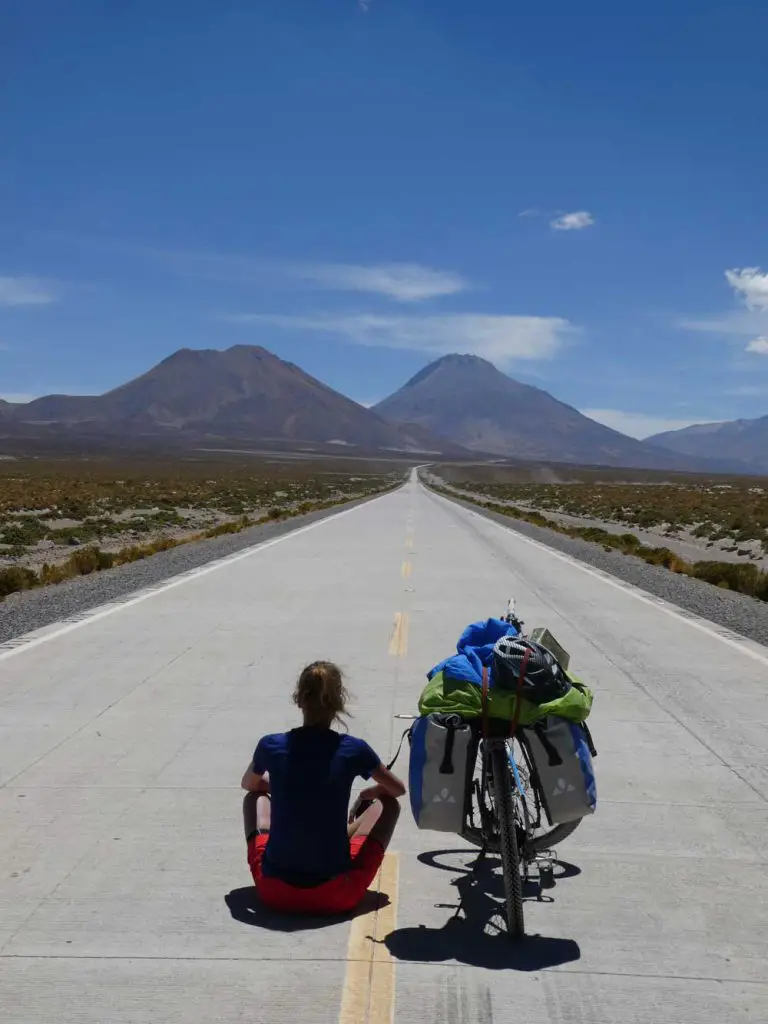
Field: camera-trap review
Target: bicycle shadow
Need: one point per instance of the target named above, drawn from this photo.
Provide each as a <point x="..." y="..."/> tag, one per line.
<point x="477" y="935"/>
<point x="245" y="906"/>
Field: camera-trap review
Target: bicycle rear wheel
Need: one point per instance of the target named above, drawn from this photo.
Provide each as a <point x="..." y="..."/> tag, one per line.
<point x="510" y="855"/>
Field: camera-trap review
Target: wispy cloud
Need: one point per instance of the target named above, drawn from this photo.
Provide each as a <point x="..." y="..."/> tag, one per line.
<point x="403" y="282"/>
<point x="502" y="339"/>
<point x="737" y="323"/>
<point x="748" y="391"/>
<point x="364" y="5"/>
<point x="640" y="424"/>
<point x="576" y="221"/>
<point x="28" y="291"/>
<point x="750" y="321"/>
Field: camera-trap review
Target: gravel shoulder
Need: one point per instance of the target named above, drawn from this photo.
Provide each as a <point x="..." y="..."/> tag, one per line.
<point x="742" y="614"/>
<point x="34" y="609"/>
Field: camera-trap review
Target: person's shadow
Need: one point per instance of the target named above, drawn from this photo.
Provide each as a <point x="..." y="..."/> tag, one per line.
<point x="476" y="933"/>
<point x="245" y="906"/>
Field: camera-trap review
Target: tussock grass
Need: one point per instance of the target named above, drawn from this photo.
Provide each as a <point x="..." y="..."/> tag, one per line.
<point x="713" y="508"/>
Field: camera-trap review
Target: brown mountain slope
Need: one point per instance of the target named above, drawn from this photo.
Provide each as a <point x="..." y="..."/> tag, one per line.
<point x="242" y="393"/>
<point x="468" y="400"/>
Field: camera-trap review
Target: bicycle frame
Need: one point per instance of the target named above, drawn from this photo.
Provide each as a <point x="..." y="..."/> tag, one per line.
<point x="485" y="836"/>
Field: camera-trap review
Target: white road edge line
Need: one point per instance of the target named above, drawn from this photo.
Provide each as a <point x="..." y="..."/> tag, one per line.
<point x="721" y="633"/>
<point x="27" y="641"/>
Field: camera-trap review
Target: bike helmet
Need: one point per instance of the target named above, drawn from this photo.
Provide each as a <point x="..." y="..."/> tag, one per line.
<point x="543" y="678"/>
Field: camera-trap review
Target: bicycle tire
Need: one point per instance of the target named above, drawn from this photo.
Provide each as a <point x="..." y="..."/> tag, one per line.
<point x="510" y="855"/>
<point x="556" y="835"/>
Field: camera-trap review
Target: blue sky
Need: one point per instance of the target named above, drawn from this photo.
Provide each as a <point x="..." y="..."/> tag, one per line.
<point x="575" y="191"/>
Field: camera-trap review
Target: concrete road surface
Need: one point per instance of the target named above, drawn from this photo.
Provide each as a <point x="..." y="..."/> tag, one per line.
<point x="124" y="890"/>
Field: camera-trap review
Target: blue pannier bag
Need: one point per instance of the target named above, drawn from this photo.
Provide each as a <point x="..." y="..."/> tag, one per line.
<point x="562" y="762"/>
<point x="437" y="771"/>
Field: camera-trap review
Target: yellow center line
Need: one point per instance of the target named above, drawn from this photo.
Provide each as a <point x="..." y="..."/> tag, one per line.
<point x="405" y="571"/>
<point x="369" y="985"/>
<point x="398" y="640"/>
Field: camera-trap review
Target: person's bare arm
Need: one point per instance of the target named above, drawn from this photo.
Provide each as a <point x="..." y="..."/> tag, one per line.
<point x="253" y="782"/>
<point x="386" y="784"/>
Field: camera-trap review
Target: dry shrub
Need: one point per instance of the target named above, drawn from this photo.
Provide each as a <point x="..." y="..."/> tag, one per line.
<point x="16" y="578"/>
<point x="224" y="528"/>
<point x="89" y="560"/>
<point x="746" y="579"/>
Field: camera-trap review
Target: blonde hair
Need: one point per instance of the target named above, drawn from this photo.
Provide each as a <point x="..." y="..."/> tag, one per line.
<point x="320" y="693"/>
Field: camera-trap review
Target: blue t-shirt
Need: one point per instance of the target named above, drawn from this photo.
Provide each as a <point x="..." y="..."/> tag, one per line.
<point x="311" y="771"/>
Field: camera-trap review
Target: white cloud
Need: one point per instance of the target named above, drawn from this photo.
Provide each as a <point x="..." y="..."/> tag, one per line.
<point x="759" y="346"/>
<point x="364" y="5"/>
<point x="750" y="320"/>
<point x="27" y="291"/>
<point x="640" y="424"/>
<point x="751" y="285"/>
<point x="502" y="339"/>
<point x="404" y="282"/>
<point x="575" y="221"/>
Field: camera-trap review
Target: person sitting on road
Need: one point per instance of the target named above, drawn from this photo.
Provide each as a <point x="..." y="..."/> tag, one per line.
<point x="303" y="855"/>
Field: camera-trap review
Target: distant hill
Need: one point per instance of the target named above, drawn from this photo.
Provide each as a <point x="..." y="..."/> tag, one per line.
<point x="466" y="399"/>
<point x="744" y="440"/>
<point x="243" y="393"/>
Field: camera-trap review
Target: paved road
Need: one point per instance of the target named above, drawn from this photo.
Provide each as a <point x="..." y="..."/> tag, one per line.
<point x="123" y="885"/>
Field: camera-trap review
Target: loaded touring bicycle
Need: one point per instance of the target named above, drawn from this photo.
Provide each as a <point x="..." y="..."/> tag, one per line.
<point x="508" y="771"/>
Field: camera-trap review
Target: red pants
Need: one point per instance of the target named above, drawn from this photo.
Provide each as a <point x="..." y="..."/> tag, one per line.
<point x="336" y="896"/>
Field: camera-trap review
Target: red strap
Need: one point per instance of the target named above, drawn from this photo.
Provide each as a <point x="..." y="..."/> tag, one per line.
<point x="485" y="703"/>
<point x="518" y="695"/>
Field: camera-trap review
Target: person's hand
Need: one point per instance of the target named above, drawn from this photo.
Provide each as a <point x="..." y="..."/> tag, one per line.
<point x="359" y="808"/>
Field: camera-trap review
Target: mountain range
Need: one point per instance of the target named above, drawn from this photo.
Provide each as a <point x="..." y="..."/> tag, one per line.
<point x="242" y="394"/>
<point x="459" y="406"/>
<point x="744" y="440"/>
